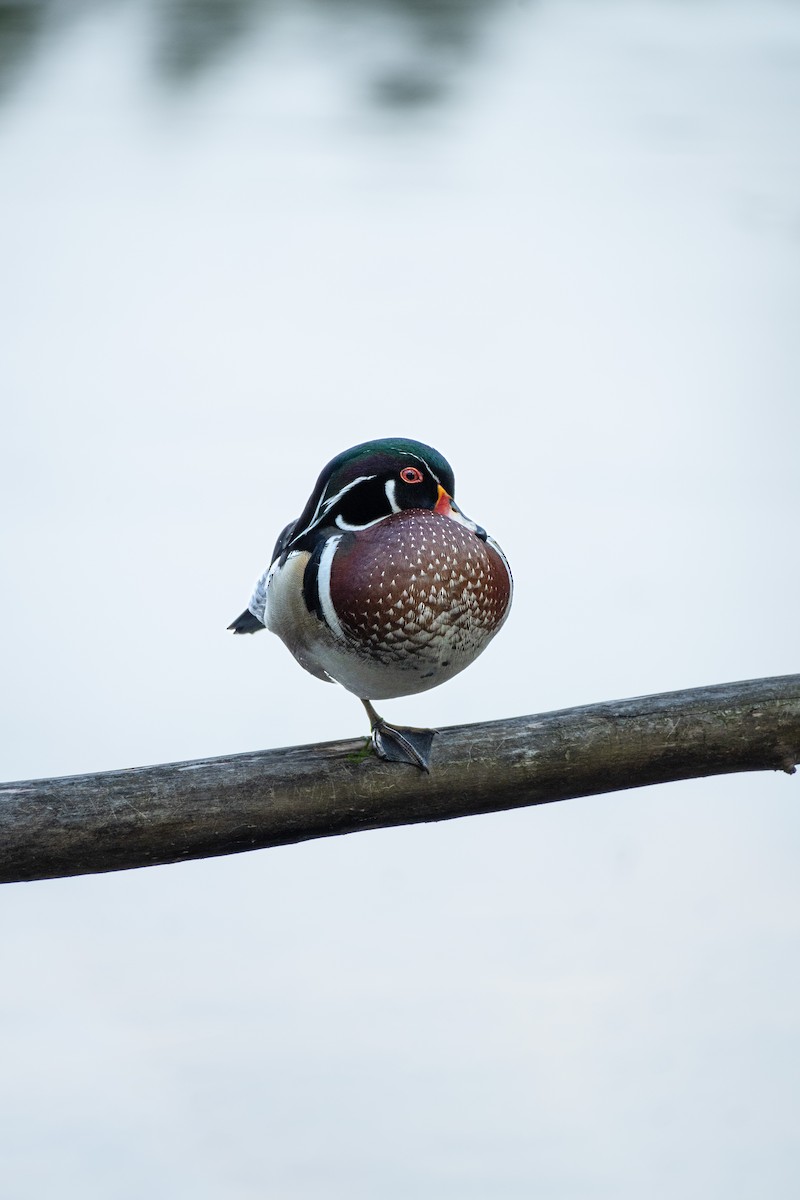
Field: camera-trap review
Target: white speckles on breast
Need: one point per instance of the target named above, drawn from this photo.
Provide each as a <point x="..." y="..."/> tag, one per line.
<point x="449" y="594"/>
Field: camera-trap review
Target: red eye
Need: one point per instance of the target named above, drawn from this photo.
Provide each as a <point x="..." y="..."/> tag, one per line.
<point x="411" y="475"/>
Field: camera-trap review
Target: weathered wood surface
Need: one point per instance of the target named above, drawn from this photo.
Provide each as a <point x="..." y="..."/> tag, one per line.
<point x="179" y="811"/>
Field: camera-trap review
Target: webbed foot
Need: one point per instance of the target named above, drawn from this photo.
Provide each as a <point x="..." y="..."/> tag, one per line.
<point x="399" y="743"/>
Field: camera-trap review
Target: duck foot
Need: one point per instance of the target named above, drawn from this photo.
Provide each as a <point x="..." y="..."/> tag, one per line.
<point x="399" y="743"/>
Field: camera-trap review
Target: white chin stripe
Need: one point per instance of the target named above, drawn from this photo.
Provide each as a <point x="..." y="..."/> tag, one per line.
<point x="391" y="495"/>
<point x="348" y="528"/>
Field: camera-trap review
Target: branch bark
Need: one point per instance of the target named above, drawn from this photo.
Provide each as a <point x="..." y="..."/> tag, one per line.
<point x="179" y="811"/>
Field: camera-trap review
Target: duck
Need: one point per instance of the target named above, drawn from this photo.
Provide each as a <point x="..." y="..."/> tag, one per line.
<point x="383" y="584"/>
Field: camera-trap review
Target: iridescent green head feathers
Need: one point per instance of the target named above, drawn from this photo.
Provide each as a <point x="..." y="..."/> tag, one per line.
<point x="373" y="480"/>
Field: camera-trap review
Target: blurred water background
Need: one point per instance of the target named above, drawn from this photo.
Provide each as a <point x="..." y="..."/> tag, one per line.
<point x="558" y="240"/>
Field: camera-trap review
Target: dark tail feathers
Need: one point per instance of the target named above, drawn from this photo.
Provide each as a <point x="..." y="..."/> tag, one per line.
<point x="246" y="623"/>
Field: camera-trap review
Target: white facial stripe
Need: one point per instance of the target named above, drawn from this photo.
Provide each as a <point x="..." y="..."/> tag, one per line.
<point x="325" y="505"/>
<point x="328" y="505"/>
<point x="426" y="465"/>
<point x="324" y="586"/>
<point x="391" y="490"/>
<point x="340" y="521"/>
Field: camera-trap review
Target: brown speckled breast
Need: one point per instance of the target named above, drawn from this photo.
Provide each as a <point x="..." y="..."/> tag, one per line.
<point x="420" y="591"/>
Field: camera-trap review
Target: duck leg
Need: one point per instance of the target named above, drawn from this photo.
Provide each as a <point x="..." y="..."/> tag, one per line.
<point x="399" y="743"/>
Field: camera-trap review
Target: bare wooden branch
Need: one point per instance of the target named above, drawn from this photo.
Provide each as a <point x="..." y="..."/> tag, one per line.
<point x="179" y="811"/>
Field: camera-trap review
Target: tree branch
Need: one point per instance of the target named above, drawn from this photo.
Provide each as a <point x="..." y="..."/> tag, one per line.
<point x="179" y="811"/>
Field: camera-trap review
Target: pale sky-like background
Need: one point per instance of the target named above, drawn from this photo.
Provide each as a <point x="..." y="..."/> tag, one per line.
<point x="559" y="241"/>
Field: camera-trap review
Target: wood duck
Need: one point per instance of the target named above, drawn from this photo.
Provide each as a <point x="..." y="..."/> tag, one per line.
<point x="383" y="585"/>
